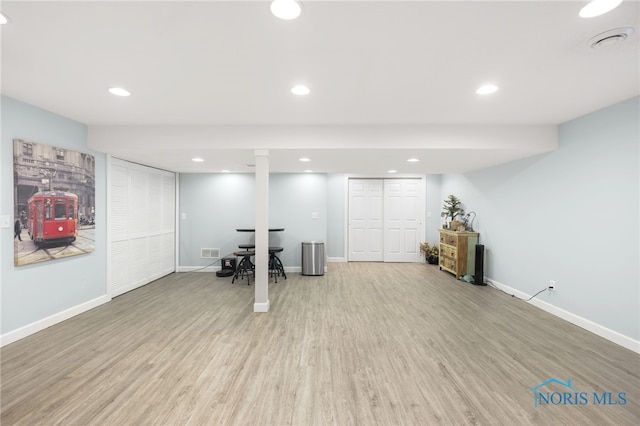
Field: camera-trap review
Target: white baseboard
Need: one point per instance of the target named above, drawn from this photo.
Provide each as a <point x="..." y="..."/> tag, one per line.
<point x="261" y="307"/>
<point x="287" y="269"/>
<point x="197" y="268"/>
<point x="298" y="269"/>
<point x="39" y="325"/>
<point x="600" y="330"/>
<point x="337" y="260"/>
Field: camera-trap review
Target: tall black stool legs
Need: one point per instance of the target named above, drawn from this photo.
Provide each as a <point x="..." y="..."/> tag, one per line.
<point x="245" y="267"/>
<point x="275" y="265"/>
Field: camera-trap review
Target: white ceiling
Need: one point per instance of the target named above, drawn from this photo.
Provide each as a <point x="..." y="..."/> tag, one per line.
<point x="371" y="66"/>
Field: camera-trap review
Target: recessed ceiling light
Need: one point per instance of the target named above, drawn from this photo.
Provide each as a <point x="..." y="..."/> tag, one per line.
<point x="413" y="160"/>
<point x="286" y="9"/>
<point x="598" y="7"/>
<point x="119" y="91"/>
<point x="197" y="160"/>
<point x="4" y="19"/>
<point x="308" y="171"/>
<point x="225" y="171"/>
<point x="392" y="171"/>
<point x="487" y="89"/>
<point x="300" y="90"/>
<point x="304" y="159"/>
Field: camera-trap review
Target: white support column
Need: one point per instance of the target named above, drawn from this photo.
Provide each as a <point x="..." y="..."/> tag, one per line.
<point x="261" y="303"/>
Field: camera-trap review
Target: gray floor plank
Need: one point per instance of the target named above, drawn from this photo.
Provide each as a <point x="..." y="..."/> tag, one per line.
<point x="366" y="344"/>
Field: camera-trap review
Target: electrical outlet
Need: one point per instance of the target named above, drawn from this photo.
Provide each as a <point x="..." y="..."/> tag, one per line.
<point x="5" y="221"/>
<point x="552" y="285"/>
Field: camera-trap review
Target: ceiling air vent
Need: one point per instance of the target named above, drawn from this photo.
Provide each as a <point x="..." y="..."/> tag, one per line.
<point x="609" y="38"/>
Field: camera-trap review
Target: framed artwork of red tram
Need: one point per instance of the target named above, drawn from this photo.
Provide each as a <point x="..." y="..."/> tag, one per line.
<point x="54" y="202"/>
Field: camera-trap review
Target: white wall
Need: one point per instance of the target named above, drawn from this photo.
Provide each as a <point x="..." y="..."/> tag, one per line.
<point x="472" y="144"/>
<point x="38" y="295"/>
<point x="572" y="216"/>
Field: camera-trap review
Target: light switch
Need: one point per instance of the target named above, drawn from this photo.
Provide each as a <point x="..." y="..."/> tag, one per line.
<point x="5" y="221"/>
<point x="428" y="214"/>
<point x="183" y="216"/>
<point x="314" y="215"/>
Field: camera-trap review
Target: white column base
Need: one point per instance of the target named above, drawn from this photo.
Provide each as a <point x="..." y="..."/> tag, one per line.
<point x="261" y="307"/>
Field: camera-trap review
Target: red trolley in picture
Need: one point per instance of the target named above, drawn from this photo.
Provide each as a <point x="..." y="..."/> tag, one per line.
<point x="53" y="218"/>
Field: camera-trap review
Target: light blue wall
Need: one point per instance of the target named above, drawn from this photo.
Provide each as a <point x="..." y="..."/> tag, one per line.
<point x="433" y="208"/>
<point x="292" y="200"/>
<point x="34" y="292"/>
<point x="571" y="215"/>
<point x="216" y="204"/>
<point x="336" y="196"/>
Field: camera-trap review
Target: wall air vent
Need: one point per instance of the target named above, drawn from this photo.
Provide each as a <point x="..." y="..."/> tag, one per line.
<point x="209" y="253"/>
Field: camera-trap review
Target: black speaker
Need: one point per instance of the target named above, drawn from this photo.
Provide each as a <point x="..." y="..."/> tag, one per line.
<point x="478" y="278"/>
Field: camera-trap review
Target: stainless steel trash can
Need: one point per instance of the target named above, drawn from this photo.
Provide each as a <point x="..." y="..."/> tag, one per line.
<point x="312" y="258"/>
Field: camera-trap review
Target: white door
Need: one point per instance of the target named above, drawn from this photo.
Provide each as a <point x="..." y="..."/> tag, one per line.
<point x="141" y="234"/>
<point x="402" y="220"/>
<point x="365" y="220"/>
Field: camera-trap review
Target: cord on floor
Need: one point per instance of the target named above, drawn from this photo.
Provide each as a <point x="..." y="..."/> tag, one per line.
<point x="211" y="264"/>
<point x="513" y="295"/>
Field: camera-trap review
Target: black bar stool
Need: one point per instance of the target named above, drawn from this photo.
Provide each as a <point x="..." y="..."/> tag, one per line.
<point x="275" y="265"/>
<point x="248" y="247"/>
<point x="245" y="267"/>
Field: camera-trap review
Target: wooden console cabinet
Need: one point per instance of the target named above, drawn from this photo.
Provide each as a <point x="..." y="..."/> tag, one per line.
<point x="458" y="252"/>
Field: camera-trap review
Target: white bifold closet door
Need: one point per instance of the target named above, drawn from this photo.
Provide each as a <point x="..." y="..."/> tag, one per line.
<point x="141" y="230"/>
<point x="385" y="220"/>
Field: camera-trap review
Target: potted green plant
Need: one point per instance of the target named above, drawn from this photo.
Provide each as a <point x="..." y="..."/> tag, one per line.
<point x="431" y="253"/>
<point x="451" y="209"/>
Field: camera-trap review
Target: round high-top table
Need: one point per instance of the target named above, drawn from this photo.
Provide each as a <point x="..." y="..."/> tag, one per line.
<point x="253" y="229"/>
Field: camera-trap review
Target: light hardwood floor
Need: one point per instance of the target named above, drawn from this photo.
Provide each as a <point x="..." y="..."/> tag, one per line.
<point x="366" y="344"/>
